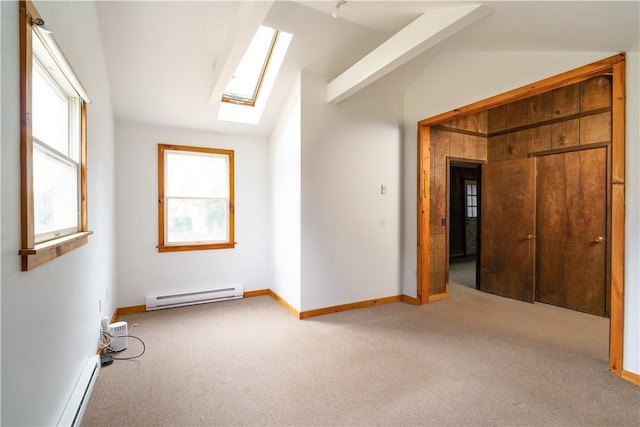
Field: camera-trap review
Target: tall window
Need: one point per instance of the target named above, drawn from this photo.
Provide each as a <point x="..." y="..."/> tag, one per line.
<point x="53" y="146"/>
<point x="195" y="196"/>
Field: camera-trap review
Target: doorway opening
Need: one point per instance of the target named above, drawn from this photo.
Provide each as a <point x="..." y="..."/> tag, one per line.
<point x="437" y="140"/>
<point x="463" y="219"/>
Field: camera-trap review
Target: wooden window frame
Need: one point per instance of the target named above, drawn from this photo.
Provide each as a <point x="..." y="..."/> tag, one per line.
<point x="162" y="245"/>
<point x="252" y="101"/>
<point x="32" y="254"/>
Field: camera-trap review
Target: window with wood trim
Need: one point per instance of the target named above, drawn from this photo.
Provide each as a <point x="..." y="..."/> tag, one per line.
<point x="246" y="82"/>
<point x="195" y="198"/>
<point x="52" y="146"/>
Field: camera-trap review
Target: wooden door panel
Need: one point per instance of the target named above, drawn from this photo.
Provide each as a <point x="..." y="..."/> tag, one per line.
<point x="507" y="218"/>
<point x="571" y="219"/>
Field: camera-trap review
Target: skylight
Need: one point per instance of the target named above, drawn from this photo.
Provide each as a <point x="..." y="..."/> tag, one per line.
<point x="245" y="83"/>
<point x="245" y="96"/>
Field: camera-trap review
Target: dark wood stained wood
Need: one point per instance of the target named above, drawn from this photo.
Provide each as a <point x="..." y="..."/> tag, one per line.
<point x="516" y="114"/>
<point x="561" y="80"/>
<point x="518" y="144"/>
<point x="496" y="120"/>
<point x="539" y="139"/>
<point x="540" y="108"/>
<point x="483" y="143"/>
<point x="595" y="93"/>
<point x="449" y="128"/>
<point x="470" y="147"/>
<point x="439" y="266"/>
<point x="595" y="129"/>
<point x="613" y="66"/>
<point x="566" y="101"/>
<point x="510" y="146"/>
<point x="551" y="122"/>
<point x="571" y="221"/>
<point x="496" y="148"/>
<point x="565" y="134"/>
<point x="569" y="149"/>
<point x="456" y="144"/>
<point x="482" y="118"/>
<point x="508" y="218"/>
<point x="439" y="151"/>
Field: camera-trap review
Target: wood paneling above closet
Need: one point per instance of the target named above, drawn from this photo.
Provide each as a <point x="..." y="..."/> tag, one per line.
<point x="569" y="130"/>
<point x="565" y="118"/>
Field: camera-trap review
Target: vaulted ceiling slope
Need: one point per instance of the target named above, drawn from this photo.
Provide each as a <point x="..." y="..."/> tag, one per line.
<point x="162" y="56"/>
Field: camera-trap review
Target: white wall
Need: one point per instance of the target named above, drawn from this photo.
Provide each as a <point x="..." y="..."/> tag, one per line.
<point x="348" y="151"/>
<point x="54" y="308"/>
<point x="284" y="165"/>
<point x="457" y="79"/>
<point x="142" y="270"/>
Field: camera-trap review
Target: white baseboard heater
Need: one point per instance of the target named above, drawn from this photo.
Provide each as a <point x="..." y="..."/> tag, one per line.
<point x="157" y="302"/>
<point x="77" y="404"/>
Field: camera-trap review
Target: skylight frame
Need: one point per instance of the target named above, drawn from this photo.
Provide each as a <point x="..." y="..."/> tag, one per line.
<point x="246" y="101"/>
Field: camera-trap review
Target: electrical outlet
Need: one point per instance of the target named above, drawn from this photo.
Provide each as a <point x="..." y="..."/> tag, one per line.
<point x="105" y="323"/>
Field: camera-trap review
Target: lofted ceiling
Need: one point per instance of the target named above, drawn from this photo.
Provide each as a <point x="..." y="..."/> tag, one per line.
<point x="163" y="58"/>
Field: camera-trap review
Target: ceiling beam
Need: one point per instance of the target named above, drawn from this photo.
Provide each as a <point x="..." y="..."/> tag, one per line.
<point x="423" y="33"/>
<point x="249" y="17"/>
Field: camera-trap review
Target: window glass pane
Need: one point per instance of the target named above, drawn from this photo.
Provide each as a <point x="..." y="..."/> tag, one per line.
<point x="247" y="76"/>
<point x="50" y="112"/>
<point x="196" y="175"/>
<point x="55" y="192"/>
<point x="197" y="220"/>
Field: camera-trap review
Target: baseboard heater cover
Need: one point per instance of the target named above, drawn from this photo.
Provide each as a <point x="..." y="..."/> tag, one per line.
<point x="77" y="404"/>
<point x="157" y="302"/>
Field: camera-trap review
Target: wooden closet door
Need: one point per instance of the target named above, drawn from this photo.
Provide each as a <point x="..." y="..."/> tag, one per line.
<point x="507" y="248"/>
<point x="571" y="230"/>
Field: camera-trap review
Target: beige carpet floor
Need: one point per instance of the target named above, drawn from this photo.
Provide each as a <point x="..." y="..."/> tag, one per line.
<point x="474" y="359"/>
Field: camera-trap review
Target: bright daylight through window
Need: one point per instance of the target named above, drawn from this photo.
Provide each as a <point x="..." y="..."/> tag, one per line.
<point x="53" y="146"/>
<point x="195" y="188"/>
<point x="246" y="94"/>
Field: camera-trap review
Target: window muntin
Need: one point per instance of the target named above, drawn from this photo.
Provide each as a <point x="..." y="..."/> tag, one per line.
<point x="196" y="198"/>
<point x="471" y="192"/>
<point x="52" y="146"/>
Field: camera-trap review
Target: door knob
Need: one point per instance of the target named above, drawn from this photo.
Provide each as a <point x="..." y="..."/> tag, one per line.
<point x="529" y="237"/>
<point x="599" y="239"/>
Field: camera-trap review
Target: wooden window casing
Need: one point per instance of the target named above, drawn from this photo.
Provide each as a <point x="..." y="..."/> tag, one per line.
<point x="163" y="244"/>
<point x="34" y="254"/>
<point x="251" y="102"/>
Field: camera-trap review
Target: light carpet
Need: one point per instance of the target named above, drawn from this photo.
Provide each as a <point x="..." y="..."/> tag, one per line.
<point x="474" y="359"/>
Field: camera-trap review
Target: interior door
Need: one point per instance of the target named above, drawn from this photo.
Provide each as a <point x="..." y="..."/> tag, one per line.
<point x="507" y="245"/>
<point x="571" y="230"/>
<point x="471" y="216"/>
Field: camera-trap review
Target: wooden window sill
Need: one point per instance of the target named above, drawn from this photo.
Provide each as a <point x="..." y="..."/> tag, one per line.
<point x="52" y="249"/>
<point x="202" y="247"/>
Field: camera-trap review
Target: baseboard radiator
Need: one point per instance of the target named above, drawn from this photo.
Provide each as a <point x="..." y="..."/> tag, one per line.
<point x="157" y="302"/>
<point x="77" y="404"/>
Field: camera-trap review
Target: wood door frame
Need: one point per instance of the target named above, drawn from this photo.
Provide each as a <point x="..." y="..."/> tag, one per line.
<point x="614" y="65"/>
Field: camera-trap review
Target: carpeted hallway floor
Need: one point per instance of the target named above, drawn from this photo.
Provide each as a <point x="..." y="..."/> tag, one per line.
<point x="474" y="359"/>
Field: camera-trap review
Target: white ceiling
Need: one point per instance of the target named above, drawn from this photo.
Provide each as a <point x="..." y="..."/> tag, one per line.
<point x="161" y="55"/>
